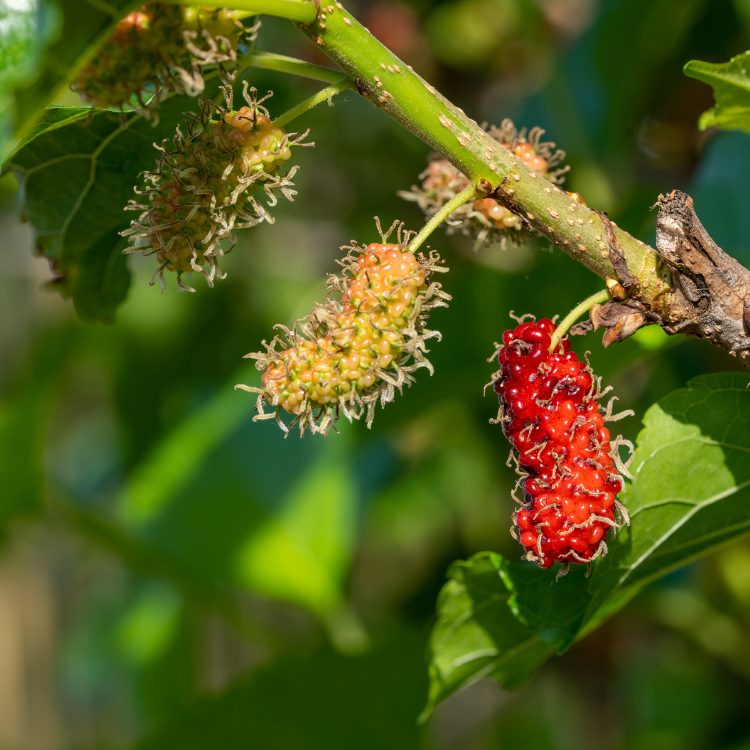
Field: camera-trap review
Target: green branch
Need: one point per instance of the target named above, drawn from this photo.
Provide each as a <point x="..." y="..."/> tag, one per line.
<point x="395" y="88"/>
<point x="324" y="94"/>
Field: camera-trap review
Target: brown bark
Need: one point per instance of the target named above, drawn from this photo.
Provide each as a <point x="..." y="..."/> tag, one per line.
<point x="710" y="295"/>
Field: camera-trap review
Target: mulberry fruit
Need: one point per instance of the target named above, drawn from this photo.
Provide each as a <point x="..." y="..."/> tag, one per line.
<point x="485" y="217"/>
<point x="360" y="346"/>
<point x="208" y="185"/>
<point x="157" y="48"/>
<point x="550" y="414"/>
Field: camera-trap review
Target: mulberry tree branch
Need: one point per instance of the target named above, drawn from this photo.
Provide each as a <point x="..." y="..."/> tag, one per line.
<point x="658" y="284"/>
<point x="660" y="288"/>
<point x="396" y="89"/>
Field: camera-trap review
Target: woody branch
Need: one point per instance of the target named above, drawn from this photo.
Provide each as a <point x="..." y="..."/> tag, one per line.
<point x="686" y="284"/>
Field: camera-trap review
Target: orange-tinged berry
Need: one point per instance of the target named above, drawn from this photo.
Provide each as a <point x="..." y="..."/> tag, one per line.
<point x="368" y="341"/>
<point x="485" y="217"/>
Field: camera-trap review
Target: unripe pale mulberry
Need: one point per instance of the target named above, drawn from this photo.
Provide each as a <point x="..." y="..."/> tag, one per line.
<point x="485" y="217"/>
<point x="208" y="186"/>
<point x="159" y="47"/>
<point x="360" y="346"/>
<point x="549" y="411"/>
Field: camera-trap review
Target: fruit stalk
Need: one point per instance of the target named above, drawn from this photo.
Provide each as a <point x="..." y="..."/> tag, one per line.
<point x="291" y="66"/>
<point x="438" y="218"/>
<point x="595" y="299"/>
<point x="327" y="93"/>
<point x="301" y="11"/>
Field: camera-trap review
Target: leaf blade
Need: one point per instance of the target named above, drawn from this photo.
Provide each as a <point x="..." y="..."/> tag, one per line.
<point x="477" y="634"/>
<point x="71" y="37"/>
<point x="97" y="159"/>
<point x="731" y="84"/>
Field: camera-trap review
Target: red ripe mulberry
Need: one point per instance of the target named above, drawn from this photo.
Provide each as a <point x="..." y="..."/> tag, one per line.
<point x="485" y="218"/>
<point x="550" y="413"/>
<point x="360" y="346"/>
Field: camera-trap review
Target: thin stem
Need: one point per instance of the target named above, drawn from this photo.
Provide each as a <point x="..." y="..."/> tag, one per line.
<point x="241" y="15"/>
<point x="464" y="196"/>
<point x="559" y="333"/>
<point x="292" y="66"/>
<point x="324" y="94"/>
<point x="302" y="11"/>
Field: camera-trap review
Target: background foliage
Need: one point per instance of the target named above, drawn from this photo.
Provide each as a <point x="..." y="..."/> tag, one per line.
<point x="174" y="575"/>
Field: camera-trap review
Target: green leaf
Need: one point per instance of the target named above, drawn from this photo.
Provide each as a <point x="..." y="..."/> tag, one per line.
<point x="477" y="635"/>
<point x="691" y="494"/>
<point x="75" y="28"/>
<point x="54" y="118"/>
<point x="692" y="482"/>
<point x="731" y="84"/>
<point x="25" y="29"/>
<point x="76" y="173"/>
<point x="548" y="607"/>
<point x="75" y="179"/>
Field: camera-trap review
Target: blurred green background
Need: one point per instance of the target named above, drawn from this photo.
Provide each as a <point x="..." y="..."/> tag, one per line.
<point x="173" y="575"/>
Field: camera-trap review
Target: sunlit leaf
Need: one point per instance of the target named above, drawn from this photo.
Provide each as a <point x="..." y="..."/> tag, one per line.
<point x="731" y="84"/>
<point x="692" y="482"/>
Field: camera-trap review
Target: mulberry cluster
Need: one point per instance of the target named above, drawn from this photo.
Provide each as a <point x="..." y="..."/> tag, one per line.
<point x="360" y="346"/>
<point x="156" y="48"/>
<point x="208" y="185"/>
<point x="550" y="413"/>
<point x="485" y="217"/>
